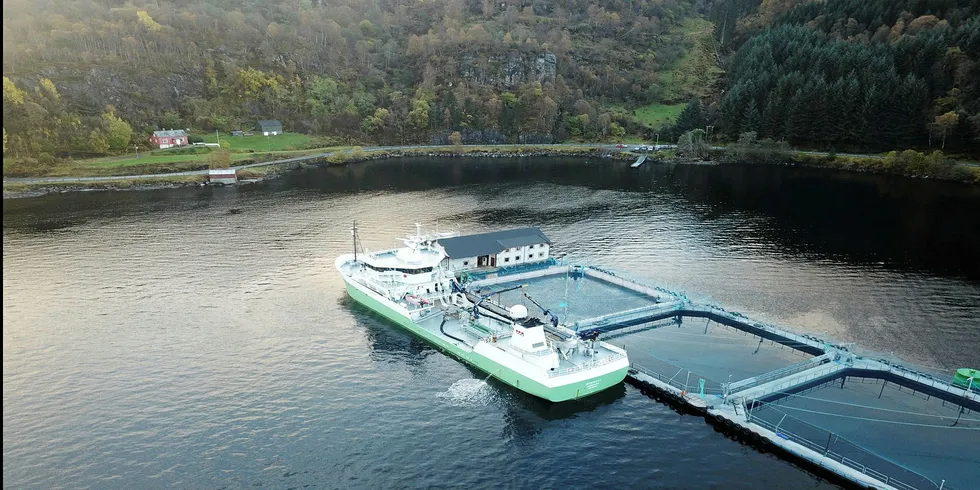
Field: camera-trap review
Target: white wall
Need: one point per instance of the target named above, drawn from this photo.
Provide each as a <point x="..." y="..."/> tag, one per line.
<point x="522" y="255"/>
<point x="457" y="264"/>
<point x="519" y="255"/>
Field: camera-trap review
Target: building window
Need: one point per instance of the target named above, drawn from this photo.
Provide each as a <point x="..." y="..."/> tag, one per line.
<point x="466" y="262"/>
<point x="541" y="254"/>
<point x="507" y="259"/>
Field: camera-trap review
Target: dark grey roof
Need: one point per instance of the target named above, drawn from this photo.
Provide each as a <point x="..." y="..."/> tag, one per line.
<point x="492" y="243"/>
<point x="270" y="125"/>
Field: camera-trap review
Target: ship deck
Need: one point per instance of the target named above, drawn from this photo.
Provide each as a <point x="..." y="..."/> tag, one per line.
<point x="471" y="333"/>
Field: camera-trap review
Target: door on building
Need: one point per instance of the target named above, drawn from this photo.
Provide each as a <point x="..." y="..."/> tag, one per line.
<point x="493" y="261"/>
<point x="482" y="260"/>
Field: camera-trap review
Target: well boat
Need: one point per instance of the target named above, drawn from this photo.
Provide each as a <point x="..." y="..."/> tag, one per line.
<point x="422" y="288"/>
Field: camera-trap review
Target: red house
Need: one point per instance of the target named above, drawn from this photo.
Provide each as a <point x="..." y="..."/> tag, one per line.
<point x="169" y="138"/>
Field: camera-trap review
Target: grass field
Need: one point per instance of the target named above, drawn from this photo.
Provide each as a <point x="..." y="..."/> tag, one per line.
<point x="285" y="141"/>
<point x="243" y="148"/>
<point x="656" y="115"/>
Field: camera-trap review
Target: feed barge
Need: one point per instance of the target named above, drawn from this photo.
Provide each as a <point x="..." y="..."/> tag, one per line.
<point x="416" y="287"/>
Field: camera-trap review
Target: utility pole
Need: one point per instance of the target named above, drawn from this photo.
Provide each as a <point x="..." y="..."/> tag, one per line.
<point x="217" y="138"/>
<point x="657" y="146"/>
<point x="137" y="151"/>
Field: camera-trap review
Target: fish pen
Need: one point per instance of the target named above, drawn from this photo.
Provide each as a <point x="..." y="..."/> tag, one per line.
<point x="858" y="420"/>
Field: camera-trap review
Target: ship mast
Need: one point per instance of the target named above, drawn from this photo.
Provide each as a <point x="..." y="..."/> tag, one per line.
<point x="354" y="233"/>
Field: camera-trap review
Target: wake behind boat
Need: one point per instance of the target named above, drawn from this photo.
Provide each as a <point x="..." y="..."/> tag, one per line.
<point x="419" y="287"/>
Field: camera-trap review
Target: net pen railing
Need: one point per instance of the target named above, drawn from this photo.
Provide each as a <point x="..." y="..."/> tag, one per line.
<point x="682" y="379"/>
<point x="832" y="446"/>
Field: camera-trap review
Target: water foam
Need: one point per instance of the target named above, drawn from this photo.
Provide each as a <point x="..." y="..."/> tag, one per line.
<point x="469" y="392"/>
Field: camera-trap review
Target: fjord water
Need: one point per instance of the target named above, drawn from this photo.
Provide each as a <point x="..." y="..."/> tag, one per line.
<point x="200" y="338"/>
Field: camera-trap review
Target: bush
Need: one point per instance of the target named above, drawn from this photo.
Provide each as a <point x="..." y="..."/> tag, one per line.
<point x="219" y="159"/>
<point x="22" y="167"/>
<point x="195" y="139"/>
<point x="749" y="148"/>
<point x="456" y="139"/>
<point x="693" y="144"/>
<point x="337" y="158"/>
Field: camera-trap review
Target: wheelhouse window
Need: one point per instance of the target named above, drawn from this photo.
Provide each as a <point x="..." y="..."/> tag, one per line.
<point x="422" y="270"/>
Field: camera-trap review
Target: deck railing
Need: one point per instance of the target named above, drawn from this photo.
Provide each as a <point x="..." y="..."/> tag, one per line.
<point x="588" y="365"/>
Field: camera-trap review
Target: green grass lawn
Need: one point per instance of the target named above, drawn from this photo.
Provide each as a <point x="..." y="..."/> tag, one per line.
<point x="285" y="141"/>
<point x="192" y="158"/>
<point x="656" y="115"/>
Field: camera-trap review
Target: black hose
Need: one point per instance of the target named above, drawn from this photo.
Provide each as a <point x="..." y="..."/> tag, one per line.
<point x="489" y="313"/>
<point x="443" y="330"/>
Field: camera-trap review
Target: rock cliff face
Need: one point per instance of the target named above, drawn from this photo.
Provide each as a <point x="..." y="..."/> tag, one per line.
<point x="140" y="96"/>
<point x="510" y="70"/>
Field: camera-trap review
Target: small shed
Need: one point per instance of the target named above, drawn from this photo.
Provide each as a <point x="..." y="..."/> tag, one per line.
<point x="270" y="127"/>
<point x="222" y="176"/>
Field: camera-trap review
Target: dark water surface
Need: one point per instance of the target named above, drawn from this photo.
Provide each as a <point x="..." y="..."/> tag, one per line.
<point x="156" y="339"/>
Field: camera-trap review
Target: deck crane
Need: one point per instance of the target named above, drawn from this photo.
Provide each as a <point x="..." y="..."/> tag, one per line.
<point x="547" y="312"/>
<point x="484" y="297"/>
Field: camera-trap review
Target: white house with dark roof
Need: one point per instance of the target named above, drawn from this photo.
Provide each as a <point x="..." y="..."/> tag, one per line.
<point x="503" y="248"/>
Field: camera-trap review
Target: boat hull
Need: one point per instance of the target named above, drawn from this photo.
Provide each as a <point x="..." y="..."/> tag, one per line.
<point x="558" y="393"/>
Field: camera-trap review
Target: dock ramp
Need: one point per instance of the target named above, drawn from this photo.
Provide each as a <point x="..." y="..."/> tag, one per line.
<point x="639" y="161"/>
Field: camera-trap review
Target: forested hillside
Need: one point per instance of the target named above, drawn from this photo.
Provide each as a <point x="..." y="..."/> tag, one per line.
<point x="94" y="77"/>
<point x="395" y="71"/>
<point x="864" y="74"/>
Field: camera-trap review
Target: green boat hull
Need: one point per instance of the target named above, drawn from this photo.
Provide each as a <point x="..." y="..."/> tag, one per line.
<point x="561" y="393"/>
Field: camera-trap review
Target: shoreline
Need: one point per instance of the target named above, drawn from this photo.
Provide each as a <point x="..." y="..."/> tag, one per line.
<point x="255" y="174"/>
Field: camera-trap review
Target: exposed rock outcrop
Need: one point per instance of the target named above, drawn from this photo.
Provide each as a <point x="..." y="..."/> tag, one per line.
<point x="510" y="70"/>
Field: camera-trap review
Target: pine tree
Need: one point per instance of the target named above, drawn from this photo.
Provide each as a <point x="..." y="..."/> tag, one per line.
<point x="691" y="117"/>
<point x="753" y="118"/>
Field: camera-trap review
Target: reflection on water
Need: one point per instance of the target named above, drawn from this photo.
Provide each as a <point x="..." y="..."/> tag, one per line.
<point x="158" y="339"/>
